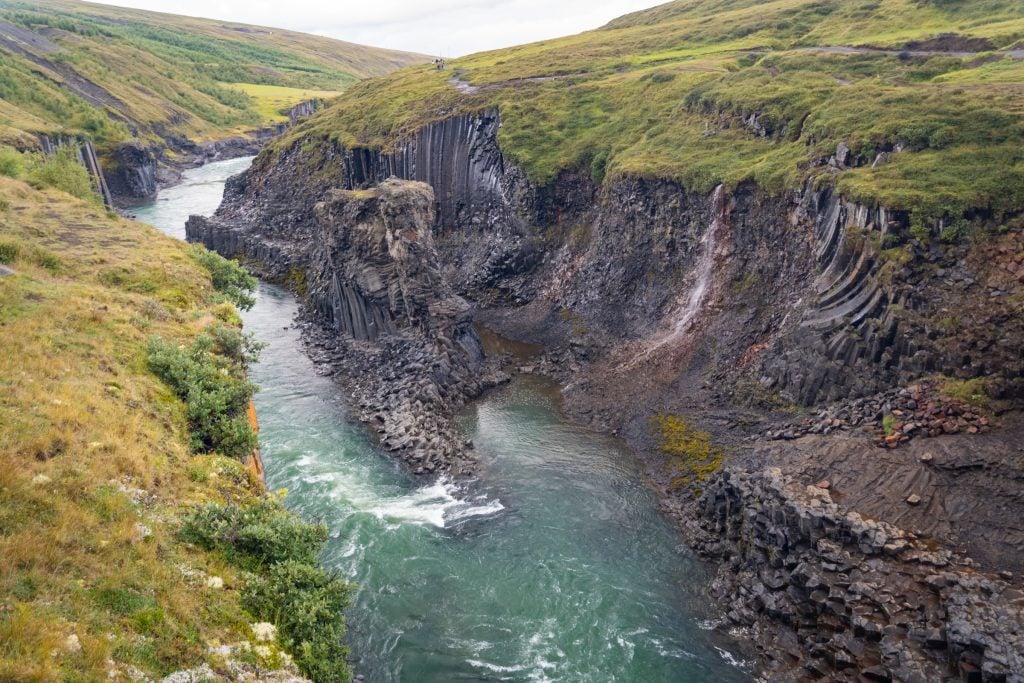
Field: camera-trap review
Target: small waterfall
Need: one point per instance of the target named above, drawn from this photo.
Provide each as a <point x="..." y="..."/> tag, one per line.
<point x="706" y="264"/>
<point x="703" y="272"/>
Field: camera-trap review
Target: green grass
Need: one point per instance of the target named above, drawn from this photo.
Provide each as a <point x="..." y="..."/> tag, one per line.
<point x="272" y="102"/>
<point x="159" y="74"/>
<point x="665" y="93"/>
<point x="96" y="468"/>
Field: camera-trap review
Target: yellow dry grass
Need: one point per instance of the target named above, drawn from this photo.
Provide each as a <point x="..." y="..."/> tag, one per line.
<point x="94" y="461"/>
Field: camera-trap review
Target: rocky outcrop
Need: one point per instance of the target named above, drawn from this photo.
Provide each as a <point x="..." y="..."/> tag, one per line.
<point x="268" y="213"/>
<point x="132" y="174"/>
<point x="376" y="272"/>
<point x="303" y="110"/>
<point x="404" y="339"/>
<point x="859" y="599"/>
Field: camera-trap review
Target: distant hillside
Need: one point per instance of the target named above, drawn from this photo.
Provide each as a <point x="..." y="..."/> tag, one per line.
<point x="712" y="91"/>
<point x="116" y="74"/>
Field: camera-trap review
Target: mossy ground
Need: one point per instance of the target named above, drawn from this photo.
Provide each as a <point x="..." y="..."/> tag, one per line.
<point x="95" y="467"/>
<point x="692" y="454"/>
<point x="665" y="93"/>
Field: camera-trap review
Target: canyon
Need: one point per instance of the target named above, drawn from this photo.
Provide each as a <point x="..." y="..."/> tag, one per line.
<point x="755" y="266"/>
<point x="742" y="310"/>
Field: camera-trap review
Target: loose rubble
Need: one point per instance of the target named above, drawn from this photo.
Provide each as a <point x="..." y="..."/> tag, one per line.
<point x="892" y="417"/>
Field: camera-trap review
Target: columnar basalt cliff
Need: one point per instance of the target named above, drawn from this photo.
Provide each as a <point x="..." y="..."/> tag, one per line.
<point x="733" y="305"/>
<point x="133" y="173"/>
<point x="859" y="596"/>
<point x="406" y="340"/>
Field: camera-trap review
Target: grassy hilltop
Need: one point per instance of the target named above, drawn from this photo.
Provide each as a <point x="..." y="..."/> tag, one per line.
<point x="671" y="92"/>
<point x="114" y="74"/>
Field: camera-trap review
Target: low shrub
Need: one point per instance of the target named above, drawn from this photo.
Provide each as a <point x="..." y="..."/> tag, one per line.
<point x="284" y="585"/>
<point x="12" y="164"/>
<point x="210" y="377"/>
<point x="229" y="278"/>
<point x="63" y="172"/>
<point x="955" y="231"/>
<point x="255" y="537"/>
<point x="307" y="605"/>
<point x="9" y="252"/>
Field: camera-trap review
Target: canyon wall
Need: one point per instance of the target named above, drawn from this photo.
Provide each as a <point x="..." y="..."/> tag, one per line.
<point x="802" y="301"/>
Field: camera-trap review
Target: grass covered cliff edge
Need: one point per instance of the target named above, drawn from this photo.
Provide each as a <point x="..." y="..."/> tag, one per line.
<point x="922" y="100"/>
<point x="133" y="541"/>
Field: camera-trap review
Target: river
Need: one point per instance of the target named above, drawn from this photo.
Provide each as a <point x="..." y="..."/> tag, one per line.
<point x="553" y="566"/>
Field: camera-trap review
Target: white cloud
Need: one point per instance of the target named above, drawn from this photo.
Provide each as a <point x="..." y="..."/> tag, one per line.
<point x="448" y="27"/>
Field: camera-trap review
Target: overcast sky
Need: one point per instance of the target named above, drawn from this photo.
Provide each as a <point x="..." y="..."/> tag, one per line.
<point x="447" y="27"/>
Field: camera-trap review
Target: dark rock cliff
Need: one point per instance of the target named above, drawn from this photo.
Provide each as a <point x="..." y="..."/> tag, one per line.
<point x="375" y="270"/>
<point x="132" y="174"/>
<point x="801" y="296"/>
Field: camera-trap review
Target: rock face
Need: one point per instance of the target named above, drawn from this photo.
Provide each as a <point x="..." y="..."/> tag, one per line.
<point x="133" y="175"/>
<point x="375" y="269"/>
<point x="374" y="277"/>
<point x="830" y="317"/>
<point x="403" y="339"/>
<point x="859" y="599"/>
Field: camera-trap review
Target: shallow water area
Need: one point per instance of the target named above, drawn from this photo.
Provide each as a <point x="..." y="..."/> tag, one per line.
<point x="553" y="565"/>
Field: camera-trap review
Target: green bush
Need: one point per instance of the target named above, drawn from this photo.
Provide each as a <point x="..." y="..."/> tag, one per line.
<point x="63" y="172"/>
<point x="307" y="605"/>
<point x="210" y="377"/>
<point x="9" y="252"/>
<point x="285" y="586"/>
<point x="256" y="536"/>
<point x="229" y="278"/>
<point x="955" y="231"/>
<point x="11" y="163"/>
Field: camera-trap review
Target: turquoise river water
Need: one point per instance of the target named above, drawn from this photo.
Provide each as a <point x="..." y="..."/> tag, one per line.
<point x="553" y="566"/>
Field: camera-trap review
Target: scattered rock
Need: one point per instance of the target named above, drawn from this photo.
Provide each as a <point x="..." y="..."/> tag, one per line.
<point x="813" y="582"/>
<point x="916" y="411"/>
<point x="214" y="582"/>
<point x="913" y="499"/>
